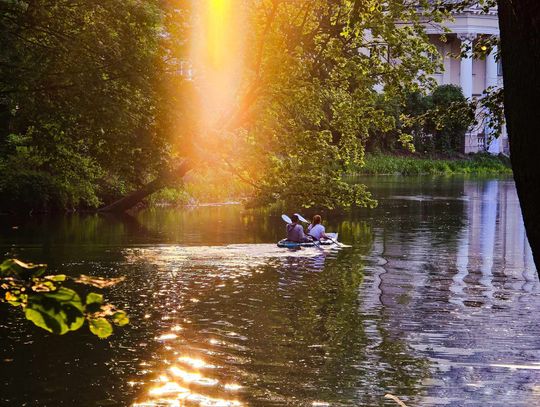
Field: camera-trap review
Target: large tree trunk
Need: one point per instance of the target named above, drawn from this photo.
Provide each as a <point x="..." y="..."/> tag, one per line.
<point x="519" y="22"/>
<point x="162" y="181"/>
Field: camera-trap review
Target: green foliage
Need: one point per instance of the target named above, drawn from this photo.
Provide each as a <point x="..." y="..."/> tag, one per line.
<point x="51" y="306"/>
<point x="100" y="327"/>
<point x="173" y="196"/>
<point x="317" y="81"/>
<point x="58" y="311"/>
<point x="203" y="185"/>
<point x="378" y="164"/>
<point x="79" y="101"/>
<point x="438" y="122"/>
<point x="95" y="106"/>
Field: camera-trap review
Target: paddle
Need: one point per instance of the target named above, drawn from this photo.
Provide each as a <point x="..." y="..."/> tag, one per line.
<point x="302" y="219"/>
<point x="288" y="220"/>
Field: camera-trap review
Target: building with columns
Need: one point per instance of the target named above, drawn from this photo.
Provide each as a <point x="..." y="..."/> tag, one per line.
<point x="473" y="75"/>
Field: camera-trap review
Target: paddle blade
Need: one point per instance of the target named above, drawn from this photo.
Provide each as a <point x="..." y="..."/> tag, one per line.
<point x="286" y="219"/>
<point x="301" y="218"/>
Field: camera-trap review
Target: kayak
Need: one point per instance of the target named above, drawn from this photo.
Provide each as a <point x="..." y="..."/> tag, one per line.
<point x="323" y="242"/>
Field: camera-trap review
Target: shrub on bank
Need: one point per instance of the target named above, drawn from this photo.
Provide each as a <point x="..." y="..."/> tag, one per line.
<point x="26" y="191"/>
<point x="379" y="164"/>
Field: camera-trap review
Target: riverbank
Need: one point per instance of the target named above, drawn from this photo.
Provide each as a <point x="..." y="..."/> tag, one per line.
<point x="381" y="164"/>
<point x="217" y="188"/>
<point x="221" y="187"/>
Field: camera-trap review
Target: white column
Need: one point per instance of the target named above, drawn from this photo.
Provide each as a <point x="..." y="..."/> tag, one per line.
<point x="491" y="69"/>
<point x="466" y="82"/>
<point x="492" y="81"/>
<point x="490" y="203"/>
<point x="446" y="66"/>
<point x="465" y="74"/>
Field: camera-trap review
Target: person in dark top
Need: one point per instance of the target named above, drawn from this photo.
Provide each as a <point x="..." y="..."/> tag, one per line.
<point x="295" y="231"/>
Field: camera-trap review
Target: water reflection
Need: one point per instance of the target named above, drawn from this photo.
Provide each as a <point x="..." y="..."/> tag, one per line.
<point x="436" y="302"/>
<point x="460" y="286"/>
<point x="268" y="327"/>
<point x="186" y="377"/>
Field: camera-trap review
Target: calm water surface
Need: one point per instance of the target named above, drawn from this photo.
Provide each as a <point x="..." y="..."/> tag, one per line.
<point x="437" y="302"/>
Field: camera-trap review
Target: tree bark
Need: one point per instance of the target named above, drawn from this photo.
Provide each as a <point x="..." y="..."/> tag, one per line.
<point x="519" y="23"/>
<point x="135" y="197"/>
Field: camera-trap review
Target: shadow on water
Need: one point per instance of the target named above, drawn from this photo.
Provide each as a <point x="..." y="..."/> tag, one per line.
<point x="436" y="302"/>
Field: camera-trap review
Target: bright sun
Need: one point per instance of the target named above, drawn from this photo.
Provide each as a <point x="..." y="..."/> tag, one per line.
<point x="218" y="56"/>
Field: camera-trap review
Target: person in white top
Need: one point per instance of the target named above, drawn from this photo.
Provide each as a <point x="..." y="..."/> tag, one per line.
<point x="316" y="230"/>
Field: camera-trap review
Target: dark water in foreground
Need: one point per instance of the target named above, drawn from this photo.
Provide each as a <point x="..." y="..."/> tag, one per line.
<point x="437" y="302"/>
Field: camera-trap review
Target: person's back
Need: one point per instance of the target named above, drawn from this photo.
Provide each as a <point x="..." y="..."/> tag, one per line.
<point x="295" y="233"/>
<point x="316" y="231"/>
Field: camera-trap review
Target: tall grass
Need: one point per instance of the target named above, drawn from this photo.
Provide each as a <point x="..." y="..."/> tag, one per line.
<point x="379" y="164"/>
<point x="218" y="186"/>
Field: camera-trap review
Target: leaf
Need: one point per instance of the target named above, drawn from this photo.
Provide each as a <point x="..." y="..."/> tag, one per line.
<point x="13" y="299"/>
<point x="19" y="269"/>
<point x="6" y="266"/>
<point x="100" y="327"/>
<point x="45" y="321"/>
<point x="98" y="282"/>
<point x="94" y="298"/>
<point x="30" y="269"/>
<point x="56" y="277"/>
<point x="43" y="286"/>
<point x="57" y="312"/>
<point x="120" y="318"/>
<point x="93" y="302"/>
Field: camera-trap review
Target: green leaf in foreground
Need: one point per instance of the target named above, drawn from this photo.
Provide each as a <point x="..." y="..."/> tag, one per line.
<point x="120" y="318"/>
<point x="57" y="277"/>
<point x="93" y="302"/>
<point x="100" y="327"/>
<point x="19" y="269"/>
<point x="94" y="298"/>
<point x="52" y="306"/>
<point x="58" y="312"/>
<point x="98" y="282"/>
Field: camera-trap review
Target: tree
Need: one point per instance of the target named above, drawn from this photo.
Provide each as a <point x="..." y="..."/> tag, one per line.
<point x="309" y="94"/>
<point x="440" y="120"/>
<point x="97" y="107"/>
<point x="519" y="22"/>
<point x="79" y="99"/>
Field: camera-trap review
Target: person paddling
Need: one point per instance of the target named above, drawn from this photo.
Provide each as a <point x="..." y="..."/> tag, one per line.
<point x="316" y="230"/>
<point x="295" y="231"/>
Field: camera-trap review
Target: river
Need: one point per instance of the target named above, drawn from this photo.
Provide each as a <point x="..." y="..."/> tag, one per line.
<point x="436" y="302"/>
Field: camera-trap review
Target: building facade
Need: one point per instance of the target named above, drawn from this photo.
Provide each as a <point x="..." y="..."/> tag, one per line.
<point x="473" y="75"/>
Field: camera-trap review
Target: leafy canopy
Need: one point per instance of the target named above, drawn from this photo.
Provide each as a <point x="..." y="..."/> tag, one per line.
<point x="99" y="98"/>
<point x="314" y="75"/>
